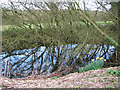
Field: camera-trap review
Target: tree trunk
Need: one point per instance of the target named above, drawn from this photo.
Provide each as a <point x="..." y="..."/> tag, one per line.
<point x="118" y="49"/>
<point x="119" y="15"/>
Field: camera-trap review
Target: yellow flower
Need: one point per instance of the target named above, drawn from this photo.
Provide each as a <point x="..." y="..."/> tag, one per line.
<point x="97" y="58"/>
<point x="92" y="59"/>
<point x="105" y="60"/>
<point x="101" y="58"/>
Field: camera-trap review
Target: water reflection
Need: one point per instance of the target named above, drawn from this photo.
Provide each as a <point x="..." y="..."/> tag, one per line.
<point x="47" y="58"/>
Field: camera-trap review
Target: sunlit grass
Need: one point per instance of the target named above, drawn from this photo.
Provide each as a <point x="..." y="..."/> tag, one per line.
<point x="45" y="25"/>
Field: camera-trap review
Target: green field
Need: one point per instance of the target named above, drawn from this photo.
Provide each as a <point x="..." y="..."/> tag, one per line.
<point x="45" y="25"/>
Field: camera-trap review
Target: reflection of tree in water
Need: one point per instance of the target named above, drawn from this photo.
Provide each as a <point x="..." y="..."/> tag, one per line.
<point x="47" y="60"/>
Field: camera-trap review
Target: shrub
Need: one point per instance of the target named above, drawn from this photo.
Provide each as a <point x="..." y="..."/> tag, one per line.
<point x="94" y="65"/>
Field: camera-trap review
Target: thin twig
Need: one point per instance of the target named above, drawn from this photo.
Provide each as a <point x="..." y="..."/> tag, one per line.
<point x="5" y="68"/>
<point x="8" y="75"/>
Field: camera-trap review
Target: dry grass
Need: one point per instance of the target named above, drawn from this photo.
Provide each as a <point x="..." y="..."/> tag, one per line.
<point x="90" y="79"/>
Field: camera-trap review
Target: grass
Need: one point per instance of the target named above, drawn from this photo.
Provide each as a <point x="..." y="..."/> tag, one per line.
<point x="87" y="78"/>
<point x="101" y="76"/>
<point x="6" y="27"/>
<point x="45" y="25"/>
<point x="110" y="86"/>
<point x="93" y="75"/>
<point x="112" y="72"/>
<point x="113" y="80"/>
<point x="104" y="22"/>
<point x="85" y="85"/>
<point x="77" y="87"/>
<point x="54" y="77"/>
<point x="101" y="80"/>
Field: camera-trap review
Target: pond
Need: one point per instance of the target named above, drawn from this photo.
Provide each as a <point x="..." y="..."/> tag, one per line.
<point x="44" y="58"/>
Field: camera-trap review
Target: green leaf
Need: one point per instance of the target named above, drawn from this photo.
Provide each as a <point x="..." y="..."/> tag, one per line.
<point x="111" y="72"/>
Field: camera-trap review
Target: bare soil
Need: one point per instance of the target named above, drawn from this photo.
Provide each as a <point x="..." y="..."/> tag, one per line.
<point x="89" y="79"/>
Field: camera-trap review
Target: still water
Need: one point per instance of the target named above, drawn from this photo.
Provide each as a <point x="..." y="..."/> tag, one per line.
<point x="21" y="60"/>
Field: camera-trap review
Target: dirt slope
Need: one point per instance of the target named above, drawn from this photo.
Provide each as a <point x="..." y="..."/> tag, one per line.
<point x="90" y="79"/>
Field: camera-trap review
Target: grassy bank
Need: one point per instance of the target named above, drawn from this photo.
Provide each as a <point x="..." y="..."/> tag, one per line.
<point x="20" y="38"/>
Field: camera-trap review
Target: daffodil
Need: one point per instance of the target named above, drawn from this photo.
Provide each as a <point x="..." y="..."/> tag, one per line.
<point x="105" y="60"/>
<point x="97" y="58"/>
<point x="101" y="58"/>
<point x="92" y="59"/>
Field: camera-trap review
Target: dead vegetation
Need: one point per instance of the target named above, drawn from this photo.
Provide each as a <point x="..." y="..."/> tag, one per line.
<point x="90" y="79"/>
